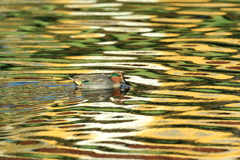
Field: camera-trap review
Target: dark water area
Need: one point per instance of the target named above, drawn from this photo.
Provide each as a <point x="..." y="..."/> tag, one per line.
<point x="180" y="56"/>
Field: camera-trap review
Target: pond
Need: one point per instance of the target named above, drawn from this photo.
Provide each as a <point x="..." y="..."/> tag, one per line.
<point x="181" y="58"/>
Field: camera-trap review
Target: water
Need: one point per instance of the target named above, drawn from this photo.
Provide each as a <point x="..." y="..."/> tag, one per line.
<point x="181" y="58"/>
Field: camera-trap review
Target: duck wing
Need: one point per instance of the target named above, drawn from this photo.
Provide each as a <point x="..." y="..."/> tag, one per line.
<point x="88" y="79"/>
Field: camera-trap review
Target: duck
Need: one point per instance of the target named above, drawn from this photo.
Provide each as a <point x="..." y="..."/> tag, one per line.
<point x="100" y="81"/>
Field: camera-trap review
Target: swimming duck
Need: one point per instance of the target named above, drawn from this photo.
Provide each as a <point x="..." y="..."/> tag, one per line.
<point x="91" y="82"/>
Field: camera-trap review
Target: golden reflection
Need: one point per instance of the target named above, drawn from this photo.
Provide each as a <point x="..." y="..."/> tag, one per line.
<point x="13" y="24"/>
<point x="224" y="40"/>
<point x="43" y="46"/>
<point x="88" y="35"/>
<point x="152" y="34"/>
<point x="232" y="105"/>
<point x="149" y="107"/>
<point x="18" y="52"/>
<point x="175" y="20"/>
<point x="141" y="52"/>
<point x="218" y="87"/>
<point x="19" y="40"/>
<point x="180" y="25"/>
<point x="204" y="29"/>
<point x="106" y="43"/>
<point x="64" y="32"/>
<point x="97" y="5"/>
<point x="29" y="36"/>
<point x="7" y="30"/>
<point x="155" y="1"/>
<point x="130" y="23"/>
<point x="216" y="4"/>
<point x="201" y="136"/>
<point x="100" y="57"/>
<point x="155" y="66"/>
<point x="55" y="71"/>
<point x="202" y="13"/>
<point x="127" y="29"/>
<point x="199" y="74"/>
<point x="231" y="9"/>
<point x="71" y="26"/>
<point x="202" y="47"/>
<point x="210" y="97"/>
<point x="109" y="22"/>
<point x="218" y="33"/>
<point x="135" y="17"/>
<point x="172" y="8"/>
<point x="82" y="13"/>
<point x="16" y="8"/>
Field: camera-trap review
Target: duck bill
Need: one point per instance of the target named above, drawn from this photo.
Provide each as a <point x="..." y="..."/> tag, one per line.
<point x="125" y="82"/>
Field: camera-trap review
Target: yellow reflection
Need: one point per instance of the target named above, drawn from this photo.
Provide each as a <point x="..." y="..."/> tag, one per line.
<point x="64" y="32"/>
<point x="219" y="33"/>
<point x="225" y="40"/>
<point x="204" y="4"/>
<point x="106" y="42"/>
<point x="30" y="36"/>
<point x="82" y="13"/>
<point x="19" y="40"/>
<point x="155" y="1"/>
<point x="198" y="95"/>
<point x="71" y="26"/>
<point x="204" y="29"/>
<point x="172" y="8"/>
<point x="54" y="72"/>
<point x="7" y="29"/>
<point x="25" y="51"/>
<point x="43" y="46"/>
<point x="127" y="29"/>
<point x="232" y="105"/>
<point x="133" y="17"/>
<point x="159" y="34"/>
<point x="201" y="13"/>
<point x="130" y="23"/>
<point x="199" y="74"/>
<point x="174" y="84"/>
<point x="184" y="134"/>
<point x="109" y="22"/>
<point x="140" y="52"/>
<point x="100" y="57"/>
<point x="175" y="20"/>
<point x="218" y="87"/>
<point x="149" y="107"/>
<point x="89" y="35"/>
<point x="180" y="25"/>
<point x="202" y="47"/>
<point x="14" y="24"/>
<point x="20" y="7"/>
<point x="231" y="9"/>
<point x="97" y="5"/>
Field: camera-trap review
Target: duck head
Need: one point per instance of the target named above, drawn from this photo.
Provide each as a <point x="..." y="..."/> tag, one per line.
<point x="118" y="77"/>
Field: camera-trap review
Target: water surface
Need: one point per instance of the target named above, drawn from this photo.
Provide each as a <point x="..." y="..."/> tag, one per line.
<point x="181" y="58"/>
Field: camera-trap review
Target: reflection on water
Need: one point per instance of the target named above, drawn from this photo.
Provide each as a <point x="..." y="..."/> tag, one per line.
<point x="181" y="58"/>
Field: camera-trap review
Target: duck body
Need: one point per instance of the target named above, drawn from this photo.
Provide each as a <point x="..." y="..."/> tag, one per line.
<point x="96" y="82"/>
